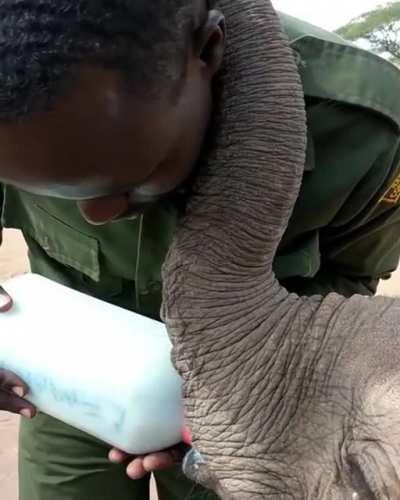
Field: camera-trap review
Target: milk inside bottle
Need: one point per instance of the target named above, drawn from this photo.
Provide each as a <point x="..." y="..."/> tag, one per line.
<point x="92" y="365"/>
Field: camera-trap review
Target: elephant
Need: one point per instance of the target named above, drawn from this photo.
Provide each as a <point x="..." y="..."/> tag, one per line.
<point x="285" y="396"/>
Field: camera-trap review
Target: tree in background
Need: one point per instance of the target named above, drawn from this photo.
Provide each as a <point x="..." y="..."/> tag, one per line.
<point x="380" y="28"/>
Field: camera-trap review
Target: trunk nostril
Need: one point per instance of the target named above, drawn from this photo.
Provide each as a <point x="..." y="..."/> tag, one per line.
<point x="192" y="464"/>
<point x="359" y="481"/>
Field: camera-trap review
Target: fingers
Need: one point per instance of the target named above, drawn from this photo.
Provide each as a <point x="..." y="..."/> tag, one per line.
<point x="136" y="470"/>
<point x="118" y="456"/>
<point x="186" y="435"/>
<point x="12" y="392"/>
<point x="142" y="465"/>
<point x="159" y="461"/>
<point x="17" y="405"/>
<point x="5" y="301"/>
<point x="10" y="381"/>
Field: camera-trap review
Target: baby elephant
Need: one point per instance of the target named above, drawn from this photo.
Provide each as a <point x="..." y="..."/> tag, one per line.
<point x="286" y="397"/>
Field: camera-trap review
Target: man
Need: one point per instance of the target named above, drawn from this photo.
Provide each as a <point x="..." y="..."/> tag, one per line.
<point x="104" y="111"/>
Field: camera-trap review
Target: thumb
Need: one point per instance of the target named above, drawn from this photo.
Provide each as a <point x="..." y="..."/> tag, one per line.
<point x="186" y="435"/>
<point x="5" y="301"/>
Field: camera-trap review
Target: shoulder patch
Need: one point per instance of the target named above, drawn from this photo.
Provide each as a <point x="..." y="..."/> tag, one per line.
<point x="392" y="195"/>
<point x="334" y="69"/>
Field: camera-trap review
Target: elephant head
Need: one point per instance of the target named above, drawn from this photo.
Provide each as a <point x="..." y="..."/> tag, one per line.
<point x="286" y="397"/>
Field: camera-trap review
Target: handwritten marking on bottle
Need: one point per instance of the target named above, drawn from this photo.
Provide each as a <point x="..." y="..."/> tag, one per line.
<point x="41" y="384"/>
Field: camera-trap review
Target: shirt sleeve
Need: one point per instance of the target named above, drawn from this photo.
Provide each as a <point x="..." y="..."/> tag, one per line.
<point x="356" y="256"/>
<point x="326" y="282"/>
<point x="344" y="231"/>
<point x="348" y="210"/>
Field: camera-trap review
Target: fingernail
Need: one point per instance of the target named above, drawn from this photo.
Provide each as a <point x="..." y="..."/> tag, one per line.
<point x="133" y="473"/>
<point x="5" y="303"/>
<point x="19" y="391"/>
<point x="26" y="413"/>
<point x="186" y="436"/>
<point x="113" y="456"/>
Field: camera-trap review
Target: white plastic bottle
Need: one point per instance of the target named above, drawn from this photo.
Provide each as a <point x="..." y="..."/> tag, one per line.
<point x="96" y="367"/>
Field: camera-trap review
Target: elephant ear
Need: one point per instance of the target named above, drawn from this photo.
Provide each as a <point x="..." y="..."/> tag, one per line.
<point x="220" y="262"/>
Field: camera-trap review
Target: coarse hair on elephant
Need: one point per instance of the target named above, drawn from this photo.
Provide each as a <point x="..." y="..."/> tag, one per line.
<point x="285" y="396"/>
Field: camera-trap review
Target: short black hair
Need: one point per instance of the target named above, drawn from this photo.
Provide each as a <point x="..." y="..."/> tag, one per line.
<point x="40" y="40"/>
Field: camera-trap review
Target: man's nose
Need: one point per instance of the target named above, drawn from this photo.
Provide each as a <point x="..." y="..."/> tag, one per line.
<point x="102" y="210"/>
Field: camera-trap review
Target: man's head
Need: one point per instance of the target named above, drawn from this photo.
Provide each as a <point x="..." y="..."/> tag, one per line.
<point x="105" y="102"/>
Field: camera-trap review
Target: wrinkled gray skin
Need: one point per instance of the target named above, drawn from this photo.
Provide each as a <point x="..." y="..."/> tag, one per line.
<point x="286" y="397"/>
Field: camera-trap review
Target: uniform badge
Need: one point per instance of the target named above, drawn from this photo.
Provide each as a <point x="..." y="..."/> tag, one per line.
<point x="392" y="195"/>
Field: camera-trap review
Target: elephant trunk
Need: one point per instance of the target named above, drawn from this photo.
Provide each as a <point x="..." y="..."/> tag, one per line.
<point x="278" y="391"/>
<point x="220" y="263"/>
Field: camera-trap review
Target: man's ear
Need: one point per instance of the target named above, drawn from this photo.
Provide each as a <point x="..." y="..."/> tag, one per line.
<point x="210" y="40"/>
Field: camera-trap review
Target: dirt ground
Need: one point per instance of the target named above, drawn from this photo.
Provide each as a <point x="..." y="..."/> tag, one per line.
<point x="13" y="260"/>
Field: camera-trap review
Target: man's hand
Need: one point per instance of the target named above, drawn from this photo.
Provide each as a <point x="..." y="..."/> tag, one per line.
<point x="12" y="392"/>
<point x="140" y="466"/>
<point x="5" y="301"/>
<point x="12" y="388"/>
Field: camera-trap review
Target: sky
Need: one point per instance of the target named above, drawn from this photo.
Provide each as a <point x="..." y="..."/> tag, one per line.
<point x="328" y="14"/>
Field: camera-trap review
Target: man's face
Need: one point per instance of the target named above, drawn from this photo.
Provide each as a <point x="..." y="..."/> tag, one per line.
<point x="112" y="151"/>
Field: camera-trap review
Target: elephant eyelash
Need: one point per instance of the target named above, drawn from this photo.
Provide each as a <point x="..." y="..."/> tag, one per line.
<point x="359" y="480"/>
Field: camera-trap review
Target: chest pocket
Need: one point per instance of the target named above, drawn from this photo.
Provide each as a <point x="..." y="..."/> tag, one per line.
<point x="66" y="245"/>
<point x="61" y="252"/>
<point x="304" y="260"/>
<point x="120" y="262"/>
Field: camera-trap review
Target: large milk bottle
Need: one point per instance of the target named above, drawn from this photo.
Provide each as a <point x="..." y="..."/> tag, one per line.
<point x="96" y="367"/>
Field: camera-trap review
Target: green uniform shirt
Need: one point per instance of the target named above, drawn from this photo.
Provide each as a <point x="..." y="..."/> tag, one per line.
<point x="344" y="232"/>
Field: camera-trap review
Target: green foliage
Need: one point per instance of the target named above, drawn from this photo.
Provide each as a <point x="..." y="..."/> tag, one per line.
<point x="380" y="27"/>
